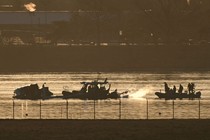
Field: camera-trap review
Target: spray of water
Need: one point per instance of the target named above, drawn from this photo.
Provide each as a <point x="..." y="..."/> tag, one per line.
<point x="140" y="94"/>
<point x="31" y="7"/>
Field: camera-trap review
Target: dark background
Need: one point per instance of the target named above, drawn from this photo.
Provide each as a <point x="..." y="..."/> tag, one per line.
<point x="105" y="35"/>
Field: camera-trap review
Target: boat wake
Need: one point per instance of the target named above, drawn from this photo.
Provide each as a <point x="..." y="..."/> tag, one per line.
<point x="140" y="94"/>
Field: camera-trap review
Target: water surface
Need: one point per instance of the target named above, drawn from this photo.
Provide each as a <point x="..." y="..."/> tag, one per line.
<point x="141" y="87"/>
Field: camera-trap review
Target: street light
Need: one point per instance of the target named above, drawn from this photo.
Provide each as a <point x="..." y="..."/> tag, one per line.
<point x="31" y="7"/>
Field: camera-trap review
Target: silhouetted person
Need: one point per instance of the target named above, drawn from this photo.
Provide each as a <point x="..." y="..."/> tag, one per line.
<point x="174" y="89"/>
<point x="180" y="89"/>
<point x="43" y="90"/>
<point x="189" y="87"/>
<point x="166" y="87"/>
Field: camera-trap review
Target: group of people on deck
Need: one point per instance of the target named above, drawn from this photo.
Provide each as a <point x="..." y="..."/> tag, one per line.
<point x="191" y="88"/>
<point x="94" y="88"/>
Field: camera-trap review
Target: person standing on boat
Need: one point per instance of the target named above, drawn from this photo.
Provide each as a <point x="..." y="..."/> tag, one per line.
<point x="174" y="89"/>
<point x="166" y="87"/>
<point x="180" y="89"/>
<point x="44" y="92"/>
<point x="189" y="87"/>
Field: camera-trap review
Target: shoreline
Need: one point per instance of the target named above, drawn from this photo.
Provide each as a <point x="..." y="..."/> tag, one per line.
<point x="105" y="129"/>
<point x="105" y="72"/>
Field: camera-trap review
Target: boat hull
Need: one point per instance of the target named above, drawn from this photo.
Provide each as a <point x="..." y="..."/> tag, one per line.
<point x="178" y="95"/>
<point x="93" y="96"/>
<point x="32" y="92"/>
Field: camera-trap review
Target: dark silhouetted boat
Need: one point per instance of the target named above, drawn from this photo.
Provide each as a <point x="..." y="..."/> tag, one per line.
<point x="94" y="90"/>
<point x="172" y="94"/>
<point x="169" y="96"/>
<point x="32" y="92"/>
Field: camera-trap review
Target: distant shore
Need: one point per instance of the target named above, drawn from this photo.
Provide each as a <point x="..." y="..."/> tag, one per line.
<point x="104" y="59"/>
<point x="105" y="129"/>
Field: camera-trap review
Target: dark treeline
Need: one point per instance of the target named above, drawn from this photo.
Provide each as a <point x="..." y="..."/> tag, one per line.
<point x="127" y="21"/>
<point x="171" y="23"/>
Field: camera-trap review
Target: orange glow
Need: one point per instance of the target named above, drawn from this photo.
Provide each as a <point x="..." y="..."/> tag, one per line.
<point x="31" y="7"/>
<point x="188" y="2"/>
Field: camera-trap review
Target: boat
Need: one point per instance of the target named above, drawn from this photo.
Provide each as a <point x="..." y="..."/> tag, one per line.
<point x="94" y="90"/>
<point x="171" y="93"/>
<point x="32" y="92"/>
<point x="169" y="96"/>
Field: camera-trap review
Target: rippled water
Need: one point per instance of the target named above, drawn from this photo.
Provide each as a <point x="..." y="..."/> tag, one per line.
<point x="141" y="87"/>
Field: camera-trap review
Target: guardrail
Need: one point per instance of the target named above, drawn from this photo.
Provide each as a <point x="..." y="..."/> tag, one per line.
<point x="105" y="109"/>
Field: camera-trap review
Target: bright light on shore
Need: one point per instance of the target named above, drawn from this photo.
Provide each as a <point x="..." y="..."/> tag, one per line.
<point x="188" y="2"/>
<point x="6" y="6"/>
<point x="31" y="7"/>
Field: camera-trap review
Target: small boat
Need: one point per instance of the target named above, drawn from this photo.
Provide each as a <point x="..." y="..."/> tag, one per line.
<point x="33" y="92"/>
<point x="172" y="94"/>
<point x="94" y="90"/>
<point x="169" y="96"/>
